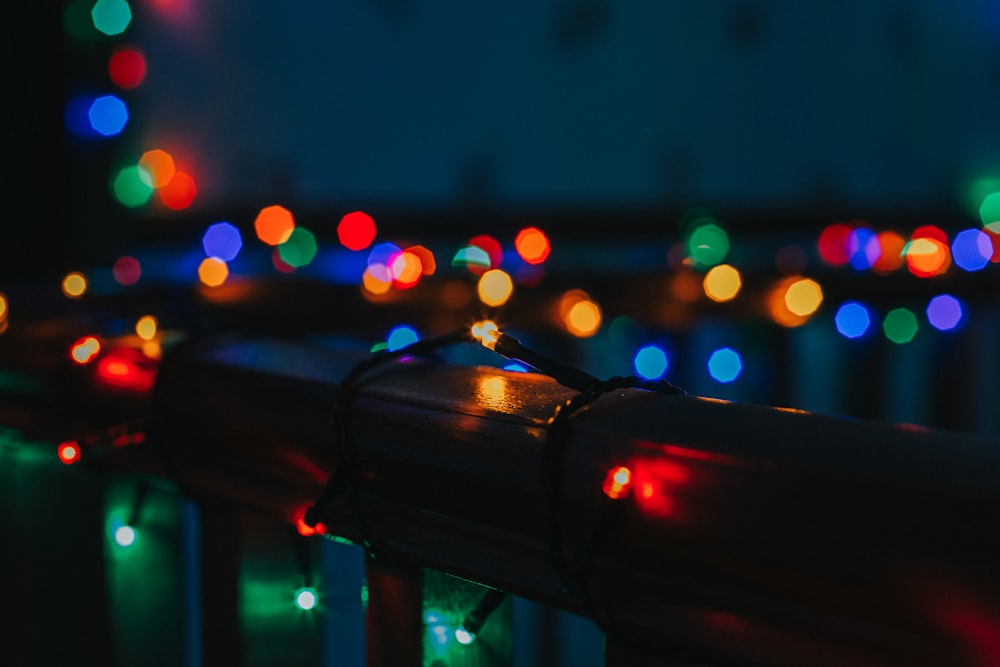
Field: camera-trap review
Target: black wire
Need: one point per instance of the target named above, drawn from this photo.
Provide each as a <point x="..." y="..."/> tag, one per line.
<point x="343" y="481"/>
<point x="552" y="483"/>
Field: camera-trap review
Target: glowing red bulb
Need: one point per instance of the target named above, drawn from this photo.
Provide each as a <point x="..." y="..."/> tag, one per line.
<point x="69" y="452"/>
<point x="617" y="482"/>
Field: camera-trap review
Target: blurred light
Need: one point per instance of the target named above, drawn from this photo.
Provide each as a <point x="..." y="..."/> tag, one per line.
<point x="108" y="115"/>
<point x="68" y="452"/>
<point x="111" y="16"/>
<point x="944" y="312"/>
<point x="127" y="67"/>
<point x="473" y="258"/>
<point x="989" y="211"/>
<point x="492" y="247"/>
<point x="125" y="536"/>
<point x="927" y="257"/>
<point x="777" y="305"/>
<point x="863" y="247"/>
<point x="126" y="368"/>
<point x="428" y="265"/>
<point x="579" y="314"/>
<point x="486" y="332"/>
<point x="832" y="244"/>
<point x="356" y="230"/>
<point x="179" y="192"/>
<point x="274" y="224"/>
<point x="617" y="482"/>
<point x="74" y="284"/>
<point x="650" y="362"/>
<point x="375" y="279"/>
<point x="401" y="336"/>
<point x="3" y="306"/>
<point x="145" y="327"/>
<point x="686" y="287"/>
<point x="306" y="599"/>
<point x="406" y="269"/>
<point x="381" y="258"/>
<point x="803" y="297"/>
<point x="222" y="240"/>
<point x="300" y="248"/>
<point x="852" y="319"/>
<point x="79" y="24"/>
<point x="532" y="245"/>
<point x="930" y="232"/>
<point x="900" y="326"/>
<point x="653" y="484"/>
<point x="515" y="367"/>
<point x="85" y="350"/>
<point x="159" y="166"/>
<point x="972" y="249"/>
<point x="708" y="244"/>
<point x="131" y="187"/>
<point x="213" y="272"/>
<point x="495" y="287"/>
<point x="126" y="270"/>
<point x="890" y="257"/>
<point x="725" y="365"/>
<point x="463" y="636"/>
<point x="279" y="263"/>
<point x="993" y="231"/>
<point x="722" y="283"/>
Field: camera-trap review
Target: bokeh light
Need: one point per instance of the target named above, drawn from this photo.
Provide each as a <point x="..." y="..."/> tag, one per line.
<point x="650" y="362"/>
<point x="777" y="303"/>
<point x="927" y="256"/>
<point x="300" y="248"/>
<point x="803" y="297"/>
<point x="126" y="270"/>
<point x="111" y="16"/>
<point x="428" y="265"/>
<point x="473" y="258"/>
<point x="108" y="115"/>
<point x="989" y="211"/>
<point x="492" y="248"/>
<point x="890" y="257"/>
<point x="159" y="166"/>
<point x="863" y="248"/>
<point x="375" y="279"/>
<point x="223" y="241"/>
<point x="406" y="269"/>
<point x="971" y="249"/>
<point x="495" y="287"/>
<point x="356" y="230"/>
<point x="532" y="245"/>
<point x="725" y="365"/>
<point x="3" y="307"/>
<point x="274" y="224"/>
<point x="145" y="327"/>
<point x="853" y="319"/>
<point x="127" y="67"/>
<point x="400" y="336"/>
<point x="179" y="193"/>
<point x="131" y="187"/>
<point x="85" y="350"/>
<point x="708" y="243"/>
<point x="213" y="271"/>
<point x="832" y="244"/>
<point x="722" y="283"/>
<point x="579" y="313"/>
<point x="900" y="325"/>
<point x="74" y="284"/>
<point x="945" y="312"/>
<point x="993" y="231"/>
<point x="68" y="452"/>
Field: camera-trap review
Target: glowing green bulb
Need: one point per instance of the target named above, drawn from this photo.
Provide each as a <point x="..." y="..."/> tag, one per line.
<point x="305" y="598"/>
<point x="463" y="636"/>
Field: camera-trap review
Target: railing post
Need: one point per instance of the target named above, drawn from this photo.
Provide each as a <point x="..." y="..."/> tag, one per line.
<point x="394" y="621"/>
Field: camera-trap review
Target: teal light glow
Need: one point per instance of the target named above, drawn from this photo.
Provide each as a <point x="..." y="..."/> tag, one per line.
<point x="400" y="337"/>
<point x="708" y="244"/>
<point x="725" y="365"/>
<point x="111" y="16"/>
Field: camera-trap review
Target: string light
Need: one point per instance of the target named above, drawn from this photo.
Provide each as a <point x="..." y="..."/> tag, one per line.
<point x="489" y="335"/>
<point x="306" y="598"/>
<point x="69" y="452"/>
